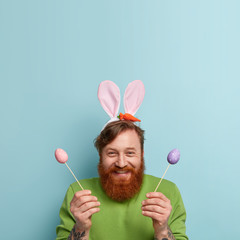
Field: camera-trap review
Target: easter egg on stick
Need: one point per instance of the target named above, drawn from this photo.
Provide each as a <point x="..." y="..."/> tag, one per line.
<point x="62" y="157"/>
<point x="172" y="158"/>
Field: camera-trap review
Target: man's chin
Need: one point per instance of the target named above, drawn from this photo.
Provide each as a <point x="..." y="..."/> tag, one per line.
<point x="121" y="190"/>
<point x="121" y="184"/>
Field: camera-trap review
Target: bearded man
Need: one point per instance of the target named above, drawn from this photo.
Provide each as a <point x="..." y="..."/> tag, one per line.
<point x="119" y="205"/>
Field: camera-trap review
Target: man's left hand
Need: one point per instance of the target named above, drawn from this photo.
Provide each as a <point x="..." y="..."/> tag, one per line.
<point x="157" y="207"/>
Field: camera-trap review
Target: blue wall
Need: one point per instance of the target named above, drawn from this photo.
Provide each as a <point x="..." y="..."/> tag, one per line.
<point x="53" y="55"/>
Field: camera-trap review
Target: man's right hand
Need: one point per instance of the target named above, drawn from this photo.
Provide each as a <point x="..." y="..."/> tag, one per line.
<point x="83" y="206"/>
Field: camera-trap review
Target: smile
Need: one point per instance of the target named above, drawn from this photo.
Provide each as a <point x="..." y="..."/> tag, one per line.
<point x="121" y="172"/>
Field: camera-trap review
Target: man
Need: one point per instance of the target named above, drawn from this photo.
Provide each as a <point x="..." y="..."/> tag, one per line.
<point x="120" y="204"/>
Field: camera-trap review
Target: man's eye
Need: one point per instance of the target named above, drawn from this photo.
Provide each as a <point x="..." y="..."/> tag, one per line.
<point x="111" y="153"/>
<point x="130" y="153"/>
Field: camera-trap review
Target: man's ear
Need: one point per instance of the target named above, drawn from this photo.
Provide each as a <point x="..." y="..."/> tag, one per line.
<point x="143" y="153"/>
<point x="100" y="158"/>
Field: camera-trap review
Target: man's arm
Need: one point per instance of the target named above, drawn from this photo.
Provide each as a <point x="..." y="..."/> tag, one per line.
<point x="82" y="207"/>
<point x="159" y="208"/>
<point x="159" y="212"/>
<point x="76" y="234"/>
<point x="166" y="236"/>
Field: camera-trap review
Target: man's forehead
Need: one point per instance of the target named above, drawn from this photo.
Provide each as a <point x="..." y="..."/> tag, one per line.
<point x="126" y="139"/>
<point x="115" y="147"/>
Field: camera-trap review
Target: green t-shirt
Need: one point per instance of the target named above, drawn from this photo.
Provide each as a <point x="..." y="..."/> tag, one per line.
<point x="124" y="220"/>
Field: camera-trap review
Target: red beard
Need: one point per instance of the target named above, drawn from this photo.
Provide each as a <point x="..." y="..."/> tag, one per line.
<point x="121" y="190"/>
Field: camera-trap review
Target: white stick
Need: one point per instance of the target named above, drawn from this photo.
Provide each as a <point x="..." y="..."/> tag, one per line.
<point x="74" y="176"/>
<point x="162" y="178"/>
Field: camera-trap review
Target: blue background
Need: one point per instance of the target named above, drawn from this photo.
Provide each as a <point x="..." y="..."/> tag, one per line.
<point x="53" y="55"/>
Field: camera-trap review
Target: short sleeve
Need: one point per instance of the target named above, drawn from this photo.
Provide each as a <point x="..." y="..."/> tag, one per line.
<point x="66" y="218"/>
<point x="178" y="216"/>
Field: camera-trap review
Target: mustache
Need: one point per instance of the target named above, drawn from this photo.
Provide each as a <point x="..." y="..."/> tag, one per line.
<point x="114" y="169"/>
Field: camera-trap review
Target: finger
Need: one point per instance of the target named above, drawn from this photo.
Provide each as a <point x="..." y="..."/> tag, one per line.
<point x="154" y="208"/>
<point x="82" y="200"/>
<point x="86" y="206"/>
<point x="153" y="215"/>
<point x="83" y="217"/>
<point x="90" y="212"/>
<point x="79" y="194"/>
<point x="157" y="195"/>
<point x="155" y="201"/>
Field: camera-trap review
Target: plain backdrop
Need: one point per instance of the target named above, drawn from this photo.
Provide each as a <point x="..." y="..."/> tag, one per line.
<point x="53" y="55"/>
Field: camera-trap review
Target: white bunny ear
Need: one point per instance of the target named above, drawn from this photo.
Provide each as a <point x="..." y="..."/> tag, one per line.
<point x="133" y="96"/>
<point x="109" y="97"/>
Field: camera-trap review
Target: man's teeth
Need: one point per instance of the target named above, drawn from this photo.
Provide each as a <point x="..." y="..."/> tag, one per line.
<point x="121" y="171"/>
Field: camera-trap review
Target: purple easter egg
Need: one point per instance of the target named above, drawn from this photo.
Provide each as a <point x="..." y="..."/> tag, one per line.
<point x="173" y="156"/>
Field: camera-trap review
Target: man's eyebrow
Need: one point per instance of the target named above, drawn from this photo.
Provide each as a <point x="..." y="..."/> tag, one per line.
<point x="131" y="148"/>
<point x="111" y="148"/>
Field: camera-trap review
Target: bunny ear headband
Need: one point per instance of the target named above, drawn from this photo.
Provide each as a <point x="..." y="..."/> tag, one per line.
<point x="109" y="97"/>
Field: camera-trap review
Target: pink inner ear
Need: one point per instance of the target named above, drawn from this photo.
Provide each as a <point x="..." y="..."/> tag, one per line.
<point x="109" y="97"/>
<point x="133" y="96"/>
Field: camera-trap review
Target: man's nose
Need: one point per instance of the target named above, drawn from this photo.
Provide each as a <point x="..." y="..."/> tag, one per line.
<point x="121" y="162"/>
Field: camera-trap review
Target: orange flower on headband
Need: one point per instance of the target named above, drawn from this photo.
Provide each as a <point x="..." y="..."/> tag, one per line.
<point x="128" y="116"/>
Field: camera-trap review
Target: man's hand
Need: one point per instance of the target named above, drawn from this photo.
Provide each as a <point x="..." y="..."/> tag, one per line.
<point x="83" y="206"/>
<point x="158" y="207"/>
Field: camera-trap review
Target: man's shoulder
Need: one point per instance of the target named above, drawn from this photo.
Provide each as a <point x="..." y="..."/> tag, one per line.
<point x="87" y="183"/>
<point x="166" y="187"/>
<point x="152" y="179"/>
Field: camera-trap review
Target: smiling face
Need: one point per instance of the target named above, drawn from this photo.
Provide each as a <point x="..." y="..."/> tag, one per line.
<point x="122" y="153"/>
<point x="121" y="166"/>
